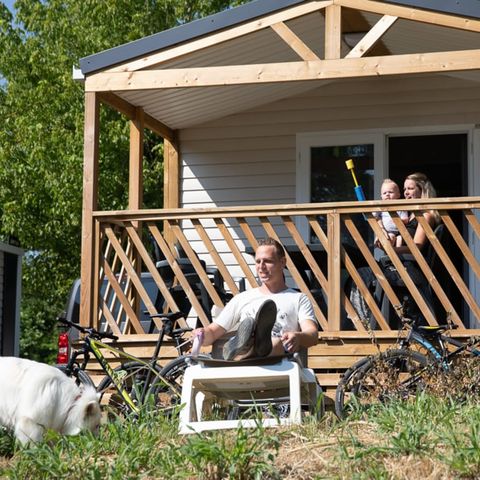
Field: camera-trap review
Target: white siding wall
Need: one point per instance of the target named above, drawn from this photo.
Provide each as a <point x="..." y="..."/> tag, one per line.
<point x="249" y="158"/>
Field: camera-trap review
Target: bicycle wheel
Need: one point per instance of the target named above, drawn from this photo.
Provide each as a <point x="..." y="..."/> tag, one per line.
<point x="167" y="389"/>
<point x="135" y="382"/>
<point x="395" y="374"/>
<point x="81" y="377"/>
<point x="344" y="387"/>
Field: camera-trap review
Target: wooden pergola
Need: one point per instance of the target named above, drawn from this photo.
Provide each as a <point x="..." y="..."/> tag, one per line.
<point x="144" y="80"/>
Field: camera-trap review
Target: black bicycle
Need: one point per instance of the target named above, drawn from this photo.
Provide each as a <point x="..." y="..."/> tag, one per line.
<point x="134" y="384"/>
<point x="426" y="358"/>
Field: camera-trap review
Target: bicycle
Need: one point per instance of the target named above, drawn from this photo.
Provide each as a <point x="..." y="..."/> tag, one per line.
<point x="135" y="384"/>
<point x="403" y="372"/>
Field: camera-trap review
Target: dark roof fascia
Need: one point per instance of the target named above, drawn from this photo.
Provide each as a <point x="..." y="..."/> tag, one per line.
<point x="182" y="33"/>
<point x="235" y="16"/>
<point x="462" y="8"/>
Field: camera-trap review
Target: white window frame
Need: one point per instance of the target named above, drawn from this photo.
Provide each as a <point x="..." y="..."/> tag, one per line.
<point x="306" y="141"/>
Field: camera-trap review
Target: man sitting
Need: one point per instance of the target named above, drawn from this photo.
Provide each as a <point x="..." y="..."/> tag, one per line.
<point x="268" y="320"/>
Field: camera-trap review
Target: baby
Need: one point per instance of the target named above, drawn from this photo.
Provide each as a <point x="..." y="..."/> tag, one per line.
<point x="390" y="191"/>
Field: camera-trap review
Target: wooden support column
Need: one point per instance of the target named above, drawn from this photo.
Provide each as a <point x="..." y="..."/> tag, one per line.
<point x="135" y="190"/>
<point x="90" y="201"/>
<point x="333" y="31"/>
<point x="171" y="183"/>
<point x="334" y="272"/>
<point x="135" y="184"/>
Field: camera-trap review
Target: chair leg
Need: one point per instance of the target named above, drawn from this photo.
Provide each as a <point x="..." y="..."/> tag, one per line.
<point x="295" y="397"/>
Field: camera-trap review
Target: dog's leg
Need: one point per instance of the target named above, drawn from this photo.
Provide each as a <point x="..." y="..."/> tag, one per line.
<point x="27" y="431"/>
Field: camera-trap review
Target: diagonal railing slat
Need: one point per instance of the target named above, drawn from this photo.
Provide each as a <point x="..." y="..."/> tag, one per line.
<point x="122" y="298"/>
<point x="352" y="314"/>
<point x="192" y="256"/>
<point x="132" y="273"/>
<point x="401" y="269"/>
<point x="310" y="261"/>
<point x="181" y="278"/>
<point x="376" y="270"/>
<point x="451" y="269"/>
<point x="296" y="274"/>
<point x="217" y="259"/>
<point x="236" y="252"/>
<point x="429" y="275"/>
<point x="462" y="245"/>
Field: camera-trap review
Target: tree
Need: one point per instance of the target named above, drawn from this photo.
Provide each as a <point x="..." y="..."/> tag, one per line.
<point x="41" y="140"/>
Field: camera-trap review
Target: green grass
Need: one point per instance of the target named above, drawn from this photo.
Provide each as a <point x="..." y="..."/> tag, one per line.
<point x="425" y="438"/>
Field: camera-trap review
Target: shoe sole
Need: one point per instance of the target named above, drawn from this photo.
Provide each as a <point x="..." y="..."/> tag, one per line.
<point x="242" y="341"/>
<point x="264" y="321"/>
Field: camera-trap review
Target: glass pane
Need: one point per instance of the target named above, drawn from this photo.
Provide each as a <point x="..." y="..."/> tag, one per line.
<point x="332" y="181"/>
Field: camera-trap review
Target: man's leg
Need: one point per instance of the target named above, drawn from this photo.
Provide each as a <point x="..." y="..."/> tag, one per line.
<point x="241" y="345"/>
<point x="264" y="321"/>
<point x="253" y="337"/>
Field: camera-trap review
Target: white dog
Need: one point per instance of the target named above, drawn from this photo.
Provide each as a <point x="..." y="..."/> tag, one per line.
<point x="35" y="397"/>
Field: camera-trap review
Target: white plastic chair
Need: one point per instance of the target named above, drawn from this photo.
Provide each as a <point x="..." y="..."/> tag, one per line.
<point x="253" y="383"/>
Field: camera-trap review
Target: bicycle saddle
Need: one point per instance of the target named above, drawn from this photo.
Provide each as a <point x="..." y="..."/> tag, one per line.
<point x="432" y="329"/>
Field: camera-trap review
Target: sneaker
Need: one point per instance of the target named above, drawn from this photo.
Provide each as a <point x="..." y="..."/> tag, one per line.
<point x="242" y="342"/>
<point x="264" y="321"/>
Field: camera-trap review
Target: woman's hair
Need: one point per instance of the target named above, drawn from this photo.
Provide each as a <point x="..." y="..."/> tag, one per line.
<point x="427" y="190"/>
<point x="424" y="184"/>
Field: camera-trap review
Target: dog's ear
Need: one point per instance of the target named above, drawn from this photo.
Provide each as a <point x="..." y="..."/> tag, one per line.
<point x="91" y="409"/>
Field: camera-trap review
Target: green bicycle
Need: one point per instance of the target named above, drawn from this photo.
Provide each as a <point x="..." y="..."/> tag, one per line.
<point x="135" y="384"/>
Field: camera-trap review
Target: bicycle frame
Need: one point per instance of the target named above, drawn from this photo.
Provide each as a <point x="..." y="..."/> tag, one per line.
<point x="442" y="355"/>
<point x="96" y="347"/>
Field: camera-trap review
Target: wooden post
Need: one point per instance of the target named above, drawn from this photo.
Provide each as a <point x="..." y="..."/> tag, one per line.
<point x="333" y="31"/>
<point x="334" y="271"/>
<point x="171" y="183"/>
<point x="135" y="186"/>
<point x="90" y="201"/>
<point x="135" y="189"/>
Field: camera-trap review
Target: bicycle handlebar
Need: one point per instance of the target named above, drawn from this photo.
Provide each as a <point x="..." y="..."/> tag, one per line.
<point x="89" y="331"/>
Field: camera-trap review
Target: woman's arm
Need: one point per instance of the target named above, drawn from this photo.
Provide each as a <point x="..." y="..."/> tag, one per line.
<point x="420" y="237"/>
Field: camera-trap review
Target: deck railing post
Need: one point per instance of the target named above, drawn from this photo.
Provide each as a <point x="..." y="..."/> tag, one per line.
<point x="334" y="271"/>
<point x="90" y="200"/>
<point x="171" y="189"/>
<point x="135" y="188"/>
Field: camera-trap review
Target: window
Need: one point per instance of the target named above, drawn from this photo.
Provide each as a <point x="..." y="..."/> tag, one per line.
<point x="324" y="177"/>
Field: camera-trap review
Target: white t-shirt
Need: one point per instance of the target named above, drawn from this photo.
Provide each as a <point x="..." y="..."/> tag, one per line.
<point x="293" y="308"/>
<point x="387" y="221"/>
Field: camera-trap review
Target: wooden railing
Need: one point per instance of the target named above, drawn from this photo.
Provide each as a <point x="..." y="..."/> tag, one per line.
<point x="327" y="244"/>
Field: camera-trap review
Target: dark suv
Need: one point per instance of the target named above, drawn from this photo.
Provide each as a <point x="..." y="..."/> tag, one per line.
<point x="72" y="313"/>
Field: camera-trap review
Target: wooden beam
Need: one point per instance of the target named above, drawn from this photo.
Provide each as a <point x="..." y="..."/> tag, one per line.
<point x="171" y="183"/>
<point x="333" y="32"/>
<point x="294" y="42"/>
<point x="135" y="184"/>
<point x="440" y="62"/>
<point x="90" y="202"/>
<point x="334" y="271"/>
<point x="223" y="36"/>
<point x="129" y="110"/>
<point x="171" y="175"/>
<point x="409" y="13"/>
<point x="135" y="187"/>
<point x="372" y="37"/>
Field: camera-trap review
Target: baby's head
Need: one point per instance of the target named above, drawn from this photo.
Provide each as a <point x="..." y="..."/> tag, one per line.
<point x="389" y="190"/>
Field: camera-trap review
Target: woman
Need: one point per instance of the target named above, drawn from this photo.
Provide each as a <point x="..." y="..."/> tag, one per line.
<point x="416" y="185"/>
